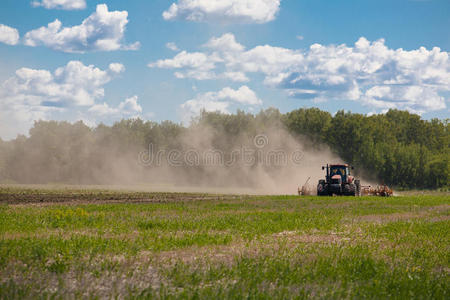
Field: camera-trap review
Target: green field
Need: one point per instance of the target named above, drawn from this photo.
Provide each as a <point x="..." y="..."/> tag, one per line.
<point x="74" y="243"/>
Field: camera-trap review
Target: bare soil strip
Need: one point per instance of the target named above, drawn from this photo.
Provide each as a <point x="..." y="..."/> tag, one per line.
<point x="98" y="198"/>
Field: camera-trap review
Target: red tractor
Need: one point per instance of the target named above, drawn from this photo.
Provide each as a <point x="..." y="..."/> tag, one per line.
<point x="338" y="181"/>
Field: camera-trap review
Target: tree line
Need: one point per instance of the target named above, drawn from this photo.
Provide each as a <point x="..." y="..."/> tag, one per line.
<point x="398" y="148"/>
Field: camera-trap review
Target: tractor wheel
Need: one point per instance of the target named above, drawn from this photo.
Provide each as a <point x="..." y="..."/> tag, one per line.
<point x="349" y="190"/>
<point x="358" y="187"/>
<point x="322" y="188"/>
<point x="352" y="189"/>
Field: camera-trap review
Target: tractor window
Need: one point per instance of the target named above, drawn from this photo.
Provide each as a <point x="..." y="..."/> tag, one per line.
<point x="338" y="171"/>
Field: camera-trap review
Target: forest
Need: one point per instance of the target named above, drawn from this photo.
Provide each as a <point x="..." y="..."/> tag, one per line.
<point x="397" y="148"/>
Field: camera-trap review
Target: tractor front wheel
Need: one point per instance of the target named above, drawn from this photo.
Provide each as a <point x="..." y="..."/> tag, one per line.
<point x="322" y="188"/>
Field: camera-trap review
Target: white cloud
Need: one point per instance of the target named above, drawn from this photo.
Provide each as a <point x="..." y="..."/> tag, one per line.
<point x="242" y="95"/>
<point x="266" y="59"/>
<point x="225" y="43"/>
<point x="128" y="108"/>
<point x="104" y="113"/>
<point x="61" y="4"/>
<point x="192" y="108"/>
<point x="226" y="51"/>
<point x="101" y="31"/>
<point x="300" y="37"/>
<point x="36" y="94"/>
<point x="9" y="35"/>
<point x="18" y="118"/>
<point x="235" y="76"/>
<point x="172" y="46"/>
<point x="73" y="84"/>
<point x="195" y="60"/>
<point x="224" y="11"/>
<point x="416" y="99"/>
<point x="375" y="75"/>
<point x="196" y="65"/>
<point x="368" y="72"/>
<point x="116" y="67"/>
<point x="218" y="101"/>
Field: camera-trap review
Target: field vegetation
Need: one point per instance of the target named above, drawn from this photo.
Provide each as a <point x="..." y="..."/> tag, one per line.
<point x="74" y="243"/>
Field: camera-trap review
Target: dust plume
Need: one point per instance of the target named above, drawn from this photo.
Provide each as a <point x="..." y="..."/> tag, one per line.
<point x="270" y="162"/>
<point x="262" y="159"/>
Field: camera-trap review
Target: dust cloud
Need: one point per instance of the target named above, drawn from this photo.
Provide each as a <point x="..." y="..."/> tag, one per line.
<point x="201" y="158"/>
<point x="270" y="162"/>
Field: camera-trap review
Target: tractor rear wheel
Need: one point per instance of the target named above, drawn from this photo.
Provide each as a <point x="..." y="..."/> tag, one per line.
<point x="358" y="187"/>
<point x="349" y="189"/>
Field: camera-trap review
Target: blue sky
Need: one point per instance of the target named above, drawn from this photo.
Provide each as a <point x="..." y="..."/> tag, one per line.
<point x="226" y="55"/>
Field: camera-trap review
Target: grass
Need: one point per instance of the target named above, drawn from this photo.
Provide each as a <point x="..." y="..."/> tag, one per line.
<point x="74" y="243"/>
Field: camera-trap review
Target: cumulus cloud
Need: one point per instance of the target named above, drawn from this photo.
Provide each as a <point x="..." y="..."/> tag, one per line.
<point x="61" y="4"/>
<point x="74" y="83"/>
<point x="225" y="51"/>
<point x="105" y="113"/>
<point x="128" y="108"/>
<point x="116" y="67"/>
<point x="235" y="76"/>
<point x="266" y="59"/>
<point x="192" y="108"/>
<point x="224" y="11"/>
<point x="195" y="65"/>
<point x="375" y="75"/>
<point x="226" y="43"/>
<point x="242" y="95"/>
<point x="102" y="31"/>
<point x="9" y="35"/>
<point x="368" y="72"/>
<point x="35" y="94"/>
<point x="172" y="46"/>
<point x="218" y="101"/>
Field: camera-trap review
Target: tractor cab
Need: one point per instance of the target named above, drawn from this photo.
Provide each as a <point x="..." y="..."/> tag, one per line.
<point x="338" y="174"/>
<point x="338" y="181"/>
